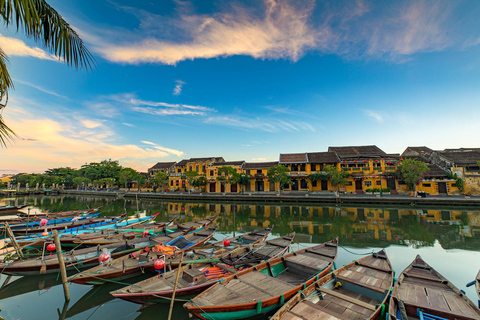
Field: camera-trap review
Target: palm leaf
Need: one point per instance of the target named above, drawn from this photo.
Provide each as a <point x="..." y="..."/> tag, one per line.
<point x="41" y="22"/>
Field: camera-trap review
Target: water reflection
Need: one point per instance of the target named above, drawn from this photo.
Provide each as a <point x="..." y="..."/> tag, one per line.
<point x="355" y="226"/>
<point x="404" y="231"/>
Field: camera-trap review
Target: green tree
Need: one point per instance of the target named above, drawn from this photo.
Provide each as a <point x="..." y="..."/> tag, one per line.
<point x="241" y="178"/>
<point x="278" y="174"/>
<point x="337" y="177"/>
<point x="317" y="176"/>
<point x="161" y="179"/>
<point x="40" y="22"/>
<point x="103" y="169"/>
<point x="200" y="182"/>
<point x="412" y="171"/>
<point x="66" y="175"/>
<point x="80" y="181"/>
<point x="140" y="179"/>
<point x="127" y="176"/>
<point x="190" y="176"/>
<point x="225" y="175"/>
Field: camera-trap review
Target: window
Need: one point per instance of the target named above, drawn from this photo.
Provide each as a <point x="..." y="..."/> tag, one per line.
<point x="179" y="170"/>
<point x="368" y="183"/>
<point x="211" y="173"/>
<point x="379" y="182"/>
<point x="294" y="167"/>
<point x="314" y="183"/>
<point x="203" y="168"/>
<point x="171" y="183"/>
<point x="190" y="168"/>
<point x="259" y="171"/>
<point x="302" y="167"/>
<point x="313" y="167"/>
<point x="349" y="183"/>
<point x="303" y="184"/>
<point x="247" y="171"/>
<point x="427" y="185"/>
<point x="196" y="168"/>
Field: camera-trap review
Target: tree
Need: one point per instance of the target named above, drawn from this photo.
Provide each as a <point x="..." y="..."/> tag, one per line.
<point x="278" y="174"/>
<point x="40" y="22"/>
<point x="200" y="182"/>
<point x="412" y="171"/>
<point x="241" y="178"/>
<point x="190" y="176"/>
<point x="161" y="179"/>
<point x="126" y="176"/>
<point x="317" y="176"/>
<point x="80" y="181"/>
<point x="66" y="175"/>
<point x="224" y="175"/>
<point x="337" y="177"/>
<point x="104" y="169"/>
<point x="140" y="179"/>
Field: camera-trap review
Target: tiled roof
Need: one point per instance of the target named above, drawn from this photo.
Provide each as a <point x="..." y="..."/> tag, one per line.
<point x="435" y="172"/>
<point x="259" y="165"/>
<point x="228" y="163"/>
<point x="357" y="151"/>
<point x="216" y="159"/>
<point x="322" y="157"/>
<point x="162" y="165"/>
<point x="424" y="151"/>
<point x="293" y="158"/>
<point x="462" y="157"/>
<point x="182" y="163"/>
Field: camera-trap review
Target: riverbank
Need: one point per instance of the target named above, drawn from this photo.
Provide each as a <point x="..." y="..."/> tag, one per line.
<point x="303" y="198"/>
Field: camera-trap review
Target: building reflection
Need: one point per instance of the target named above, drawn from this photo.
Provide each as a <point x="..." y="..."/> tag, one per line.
<point x="355" y="226"/>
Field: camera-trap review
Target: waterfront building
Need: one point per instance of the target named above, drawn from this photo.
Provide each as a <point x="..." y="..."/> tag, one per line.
<point x="257" y="172"/>
<point x="213" y="182"/>
<point x="177" y="180"/>
<point x="463" y="162"/>
<point x="166" y="167"/>
<point x="370" y="168"/>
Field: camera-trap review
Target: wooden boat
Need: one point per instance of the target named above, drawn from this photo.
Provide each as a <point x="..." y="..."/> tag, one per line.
<point x="477" y="287"/>
<point x="139" y="261"/>
<point x="193" y="279"/>
<point x="61" y="214"/>
<point x="187" y="226"/>
<point x="358" y="290"/>
<point x="36" y="223"/>
<point x="10" y="209"/>
<point x="113" y="235"/>
<point x="266" y="287"/>
<point x="78" y="259"/>
<point x="67" y="225"/>
<point x="423" y="293"/>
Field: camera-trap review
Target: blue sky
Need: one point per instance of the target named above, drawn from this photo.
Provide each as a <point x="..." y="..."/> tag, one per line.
<point x="245" y="80"/>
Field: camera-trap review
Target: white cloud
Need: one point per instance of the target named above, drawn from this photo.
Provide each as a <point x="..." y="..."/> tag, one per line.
<point x="374" y="115"/>
<point x="259" y="159"/>
<point x="284" y="29"/>
<point x="16" y="47"/>
<point x="270" y="125"/>
<point x="148" y="142"/>
<point x="128" y="124"/>
<point x="178" y="87"/>
<point x="46" y="142"/>
<point x="39" y="88"/>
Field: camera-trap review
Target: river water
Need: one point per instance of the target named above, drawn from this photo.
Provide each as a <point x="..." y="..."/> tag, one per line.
<point x="447" y="239"/>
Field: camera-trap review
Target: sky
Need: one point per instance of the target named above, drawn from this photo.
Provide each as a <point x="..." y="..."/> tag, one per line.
<point x="245" y="80"/>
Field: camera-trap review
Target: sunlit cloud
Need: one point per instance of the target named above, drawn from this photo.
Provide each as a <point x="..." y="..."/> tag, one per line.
<point x="178" y="87"/>
<point x="148" y="142"/>
<point x="254" y="124"/>
<point x="46" y="142"/>
<point x="283" y="29"/>
<point x="16" y="47"/>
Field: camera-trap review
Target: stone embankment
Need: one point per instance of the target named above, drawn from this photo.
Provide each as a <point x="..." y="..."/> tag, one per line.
<point x="301" y="198"/>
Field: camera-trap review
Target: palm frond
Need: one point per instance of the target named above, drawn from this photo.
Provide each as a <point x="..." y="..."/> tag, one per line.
<point x="40" y="21"/>
<point x="6" y="133"/>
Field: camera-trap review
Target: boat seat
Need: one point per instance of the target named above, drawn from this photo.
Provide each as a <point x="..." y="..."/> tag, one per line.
<point x="339" y="295"/>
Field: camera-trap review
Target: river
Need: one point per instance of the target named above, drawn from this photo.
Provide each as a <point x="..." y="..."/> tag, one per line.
<point x="447" y="239"/>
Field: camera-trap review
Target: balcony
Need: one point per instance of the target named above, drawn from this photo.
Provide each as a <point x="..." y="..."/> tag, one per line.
<point x="259" y="176"/>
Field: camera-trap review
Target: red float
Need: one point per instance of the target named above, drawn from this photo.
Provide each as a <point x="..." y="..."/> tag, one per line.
<point x="45" y="233"/>
<point x="226" y="243"/>
<point x="51" y="247"/>
<point x="159" y="264"/>
<point x="43" y="222"/>
<point x="103" y="257"/>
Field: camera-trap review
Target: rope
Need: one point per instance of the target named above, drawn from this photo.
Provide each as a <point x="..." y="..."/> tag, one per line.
<point x="206" y="315"/>
<point x="359" y="254"/>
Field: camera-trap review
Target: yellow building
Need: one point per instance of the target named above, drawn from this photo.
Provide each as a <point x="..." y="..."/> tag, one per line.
<point x="213" y="183"/>
<point x="177" y="180"/>
<point x="370" y="168"/>
<point x="257" y="171"/>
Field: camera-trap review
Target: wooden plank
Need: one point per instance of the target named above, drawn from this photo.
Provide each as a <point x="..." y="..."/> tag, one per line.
<point x="331" y="312"/>
<point x="348" y="298"/>
<point x="360" y="283"/>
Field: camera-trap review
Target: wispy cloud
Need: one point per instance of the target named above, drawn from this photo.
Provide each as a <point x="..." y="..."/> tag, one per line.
<point x="178" y="87"/>
<point x="251" y="124"/>
<point x="259" y="159"/>
<point x="71" y="143"/>
<point x="16" y="47"/>
<point x="42" y="89"/>
<point x="284" y="29"/>
<point x="169" y="150"/>
<point x="128" y="124"/>
<point x="374" y="115"/>
<point x="148" y="142"/>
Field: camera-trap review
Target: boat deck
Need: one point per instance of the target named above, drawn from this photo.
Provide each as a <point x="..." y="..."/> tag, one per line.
<point x="251" y="287"/>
